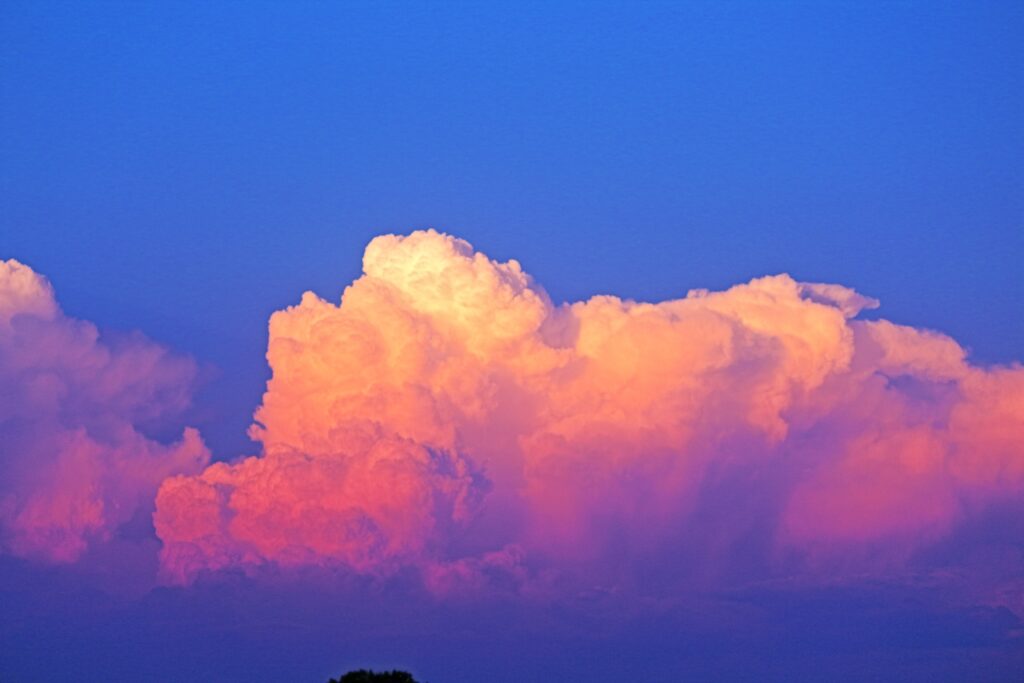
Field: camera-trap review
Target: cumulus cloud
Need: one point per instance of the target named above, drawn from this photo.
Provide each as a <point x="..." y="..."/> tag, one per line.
<point x="74" y="465"/>
<point x="447" y="415"/>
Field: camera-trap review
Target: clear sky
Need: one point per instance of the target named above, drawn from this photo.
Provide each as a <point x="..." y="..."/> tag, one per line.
<point x="188" y="168"/>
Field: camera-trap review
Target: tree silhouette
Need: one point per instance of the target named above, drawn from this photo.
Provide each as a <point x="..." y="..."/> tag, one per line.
<point x="364" y="676"/>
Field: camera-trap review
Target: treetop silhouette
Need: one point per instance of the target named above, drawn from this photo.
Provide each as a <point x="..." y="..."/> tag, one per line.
<point x="369" y="676"/>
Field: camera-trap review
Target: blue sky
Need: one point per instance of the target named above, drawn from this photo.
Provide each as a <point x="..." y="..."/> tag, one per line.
<point x="186" y="168"/>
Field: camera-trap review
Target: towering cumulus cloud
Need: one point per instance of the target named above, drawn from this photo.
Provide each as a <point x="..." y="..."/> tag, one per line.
<point x="74" y="465"/>
<point x="447" y="416"/>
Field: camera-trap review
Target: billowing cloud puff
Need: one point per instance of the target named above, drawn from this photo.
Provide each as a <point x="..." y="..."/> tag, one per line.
<point x="74" y="465"/>
<point x="379" y="503"/>
<point x="448" y="415"/>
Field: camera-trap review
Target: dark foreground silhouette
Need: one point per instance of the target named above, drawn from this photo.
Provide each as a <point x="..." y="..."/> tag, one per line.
<point x="364" y="676"/>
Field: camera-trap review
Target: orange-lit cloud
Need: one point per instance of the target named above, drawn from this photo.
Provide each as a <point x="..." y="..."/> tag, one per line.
<point x="448" y="415"/>
<point x="74" y="465"/>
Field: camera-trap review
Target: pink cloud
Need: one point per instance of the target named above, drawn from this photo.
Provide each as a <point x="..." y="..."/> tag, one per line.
<point x="74" y="464"/>
<point x="447" y="415"/>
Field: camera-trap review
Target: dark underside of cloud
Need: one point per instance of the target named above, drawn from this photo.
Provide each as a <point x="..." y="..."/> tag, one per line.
<point x="238" y="630"/>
